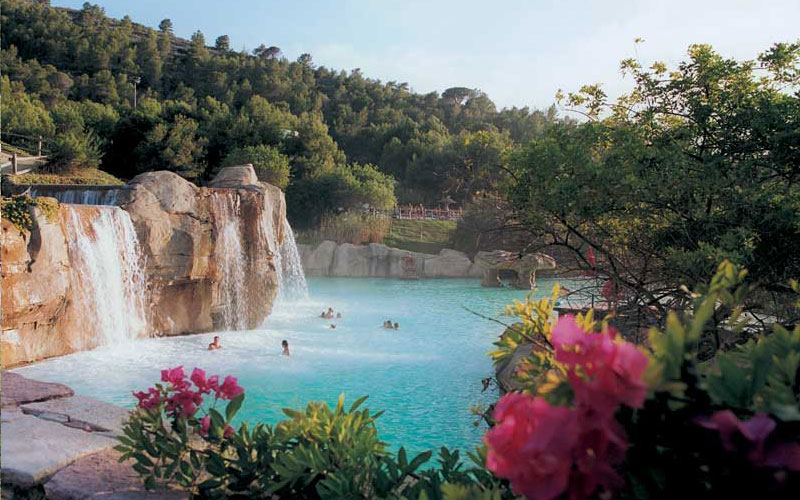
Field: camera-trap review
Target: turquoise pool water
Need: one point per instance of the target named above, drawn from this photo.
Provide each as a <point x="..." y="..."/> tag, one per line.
<point x="426" y="375"/>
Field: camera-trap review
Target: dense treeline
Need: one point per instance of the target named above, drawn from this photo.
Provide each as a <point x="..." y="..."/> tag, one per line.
<point x="71" y="76"/>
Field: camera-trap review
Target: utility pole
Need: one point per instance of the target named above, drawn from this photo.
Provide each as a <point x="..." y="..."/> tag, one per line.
<point x="136" y="81"/>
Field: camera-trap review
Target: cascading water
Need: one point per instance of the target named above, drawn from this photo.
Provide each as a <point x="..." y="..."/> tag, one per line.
<point x="231" y="260"/>
<point x="81" y="196"/>
<point x="293" y="283"/>
<point x="109" y="284"/>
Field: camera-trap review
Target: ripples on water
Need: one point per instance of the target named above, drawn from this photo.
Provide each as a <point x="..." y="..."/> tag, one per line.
<point x="426" y="375"/>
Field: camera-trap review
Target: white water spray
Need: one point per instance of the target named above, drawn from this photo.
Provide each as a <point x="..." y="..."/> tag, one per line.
<point x="230" y="259"/>
<point x="293" y="285"/>
<point x="81" y="196"/>
<point x="109" y="284"/>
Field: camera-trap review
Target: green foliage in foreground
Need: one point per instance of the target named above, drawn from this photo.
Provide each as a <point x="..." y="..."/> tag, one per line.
<point x="321" y="452"/>
<point x="699" y="421"/>
<point x="18" y="210"/>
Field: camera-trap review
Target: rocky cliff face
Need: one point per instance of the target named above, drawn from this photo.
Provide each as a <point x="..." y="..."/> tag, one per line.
<point x="379" y="261"/>
<point x="206" y="260"/>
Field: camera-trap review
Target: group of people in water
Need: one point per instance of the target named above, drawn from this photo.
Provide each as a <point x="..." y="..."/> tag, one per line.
<point x="213" y="346"/>
<point x="329" y="314"/>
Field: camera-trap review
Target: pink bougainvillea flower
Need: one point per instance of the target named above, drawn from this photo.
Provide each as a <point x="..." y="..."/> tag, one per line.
<point x="199" y="379"/>
<point x="229" y="388"/>
<point x="753" y="437"/>
<point x="205" y="424"/>
<point x="184" y="403"/>
<point x="228" y="431"/>
<point x="617" y="379"/>
<point x="213" y="382"/>
<point x="148" y="400"/>
<point x="601" y="445"/>
<point x="174" y="376"/>
<point x="531" y="445"/>
<point x="572" y="344"/>
<point x="783" y="455"/>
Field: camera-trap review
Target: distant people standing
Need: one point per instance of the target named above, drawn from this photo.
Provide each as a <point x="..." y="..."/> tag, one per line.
<point x="285" y="346"/>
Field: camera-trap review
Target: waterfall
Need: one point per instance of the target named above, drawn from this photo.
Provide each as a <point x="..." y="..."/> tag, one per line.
<point x="230" y="258"/>
<point x="81" y="196"/>
<point x="108" y="280"/>
<point x="290" y="267"/>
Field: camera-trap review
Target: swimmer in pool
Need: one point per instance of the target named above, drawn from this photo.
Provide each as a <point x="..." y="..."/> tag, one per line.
<point x="285" y="346"/>
<point x="397" y="326"/>
<point x="214" y="345"/>
<point x="338" y="315"/>
<point x="388" y="324"/>
<point x="333" y="327"/>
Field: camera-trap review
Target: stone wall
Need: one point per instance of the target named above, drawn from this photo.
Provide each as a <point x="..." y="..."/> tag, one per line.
<point x="379" y="261"/>
<point x="177" y="226"/>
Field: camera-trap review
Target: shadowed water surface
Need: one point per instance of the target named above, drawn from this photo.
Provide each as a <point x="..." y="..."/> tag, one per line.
<point x="426" y="375"/>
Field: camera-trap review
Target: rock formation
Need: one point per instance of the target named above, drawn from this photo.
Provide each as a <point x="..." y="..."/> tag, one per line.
<point x="524" y="267"/>
<point x="183" y="231"/>
<point x="379" y="261"/>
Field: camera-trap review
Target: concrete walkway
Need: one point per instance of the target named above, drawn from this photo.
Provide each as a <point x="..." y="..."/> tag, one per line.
<point x="60" y="444"/>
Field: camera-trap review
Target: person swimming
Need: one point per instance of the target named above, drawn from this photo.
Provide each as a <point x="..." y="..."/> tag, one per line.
<point x="397" y="326"/>
<point x="285" y="346"/>
<point x="333" y="327"/>
<point x="338" y="315"/>
<point x="214" y="345"/>
<point x="388" y="324"/>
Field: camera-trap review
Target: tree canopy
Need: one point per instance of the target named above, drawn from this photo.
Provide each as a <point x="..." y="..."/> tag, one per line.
<point x="196" y="104"/>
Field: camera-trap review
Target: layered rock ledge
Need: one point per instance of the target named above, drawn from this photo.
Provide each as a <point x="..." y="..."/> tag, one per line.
<point x="58" y="445"/>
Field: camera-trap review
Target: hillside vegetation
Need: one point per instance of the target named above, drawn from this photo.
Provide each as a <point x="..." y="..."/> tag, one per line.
<point x="72" y="77"/>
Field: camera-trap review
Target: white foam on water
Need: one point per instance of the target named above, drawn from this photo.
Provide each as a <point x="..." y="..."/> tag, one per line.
<point x="108" y="281"/>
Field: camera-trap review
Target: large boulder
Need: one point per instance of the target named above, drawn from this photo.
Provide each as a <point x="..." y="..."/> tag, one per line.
<point x="240" y="176"/>
<point x="174" y="193"/>
<point x="448" y="264"/>
<point x="317" y="261"/>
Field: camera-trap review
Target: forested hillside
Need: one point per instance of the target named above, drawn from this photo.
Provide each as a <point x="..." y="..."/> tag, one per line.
<point x="331" y="138"/>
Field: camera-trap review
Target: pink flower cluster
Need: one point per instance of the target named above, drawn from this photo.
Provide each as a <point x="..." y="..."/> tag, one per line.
<point x="181" y="398"/>
<point x="753" y="438"/>
<point x="546" y="450"/>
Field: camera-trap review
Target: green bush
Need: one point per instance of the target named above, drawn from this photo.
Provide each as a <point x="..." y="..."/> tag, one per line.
<point x="74" y="150"/>
<point x="17" y="210"/>
<point x="321" y="452"/>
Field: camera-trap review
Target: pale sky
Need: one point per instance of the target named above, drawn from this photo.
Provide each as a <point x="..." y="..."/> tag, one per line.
<point x="518" y="52"/>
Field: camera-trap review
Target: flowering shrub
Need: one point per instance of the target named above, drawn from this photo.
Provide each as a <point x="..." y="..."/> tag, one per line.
<point x="159" y="435"/>
<point x="596" y="415"/>
<point x="546" y="449"/>
<point x="177" y="437"/>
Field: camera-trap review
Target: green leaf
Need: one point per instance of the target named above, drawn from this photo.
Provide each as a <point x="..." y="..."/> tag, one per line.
<point x="357" y="403"/>
<point x="233" y="407"/>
